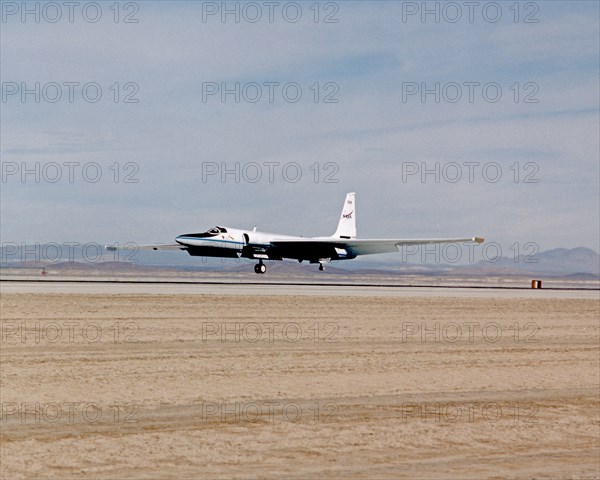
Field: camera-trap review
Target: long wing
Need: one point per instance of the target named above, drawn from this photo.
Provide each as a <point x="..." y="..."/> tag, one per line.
<point x="365" y="247"/>
<point x="158" y="246"/>
<point x="312" y="248"/>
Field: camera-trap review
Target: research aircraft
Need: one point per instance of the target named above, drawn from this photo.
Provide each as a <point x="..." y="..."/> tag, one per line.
<point x="342" y="245"/>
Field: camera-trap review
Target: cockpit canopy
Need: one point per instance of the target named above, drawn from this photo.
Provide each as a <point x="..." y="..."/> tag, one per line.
<point x="217" y="230"/>
<point x="209" y="233"/>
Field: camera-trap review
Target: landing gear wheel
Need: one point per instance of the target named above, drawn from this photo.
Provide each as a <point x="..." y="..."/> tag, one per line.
<point x="321" y="268"/>
<point x="260" y="268"/>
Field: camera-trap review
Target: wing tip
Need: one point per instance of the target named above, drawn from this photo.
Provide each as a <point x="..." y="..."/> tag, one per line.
<point x="478" y="239"/>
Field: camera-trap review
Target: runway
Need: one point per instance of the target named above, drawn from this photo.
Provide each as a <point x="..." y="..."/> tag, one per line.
<point x="188" y="287"/>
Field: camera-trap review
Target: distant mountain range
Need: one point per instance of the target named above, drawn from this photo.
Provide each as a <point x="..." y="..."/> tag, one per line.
<point x="557" y="262"/>
<point x="580" y="263"/>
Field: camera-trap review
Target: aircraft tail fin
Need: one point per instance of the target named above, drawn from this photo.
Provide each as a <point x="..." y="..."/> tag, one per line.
<point x="347" y="224"/>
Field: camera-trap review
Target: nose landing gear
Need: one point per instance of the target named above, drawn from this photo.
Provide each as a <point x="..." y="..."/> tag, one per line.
<point x="260" y="267"/>
<point x="321" y="267"/>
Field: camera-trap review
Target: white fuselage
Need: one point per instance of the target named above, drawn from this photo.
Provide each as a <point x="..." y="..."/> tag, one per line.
<point x="233" y="240"/>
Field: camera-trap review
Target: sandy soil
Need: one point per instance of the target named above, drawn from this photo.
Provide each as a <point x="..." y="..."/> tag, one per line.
<point x="225" y="386"/>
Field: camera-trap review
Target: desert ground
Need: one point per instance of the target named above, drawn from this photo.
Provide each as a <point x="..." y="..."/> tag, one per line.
<point x="219" y="383"/>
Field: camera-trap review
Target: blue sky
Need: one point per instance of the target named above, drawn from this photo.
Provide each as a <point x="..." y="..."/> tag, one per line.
<point x="370" y="140"/>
